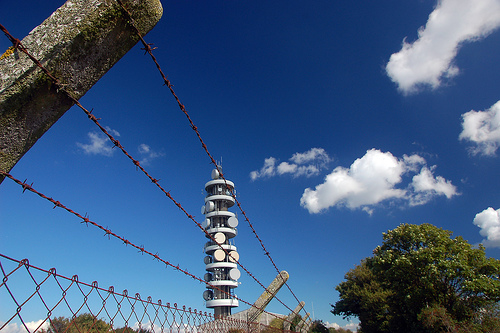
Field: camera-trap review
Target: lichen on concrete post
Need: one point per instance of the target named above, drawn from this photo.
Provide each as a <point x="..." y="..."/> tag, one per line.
<point x="266" y="297"/>
<point x="298" y="328"/>
<point x="78" y="43"/>
<point x="291" y="316"/>
<point x="306" y="326"/>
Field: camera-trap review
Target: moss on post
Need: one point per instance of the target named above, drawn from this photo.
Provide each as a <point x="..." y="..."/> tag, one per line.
<point x="266" y="297"/>
<point x="78" y="43"/>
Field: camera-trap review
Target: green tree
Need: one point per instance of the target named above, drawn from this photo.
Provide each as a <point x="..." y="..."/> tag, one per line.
<point x="276" y="325"/>
<point x="487" y="320"/>
<point x="86" y="323"/>
<point x="419" y="268"/>
<point x="318" y="327"/>
<point x="363" y="296"/>
<point x="58" y="325"/>
<point x="296" y="320"/>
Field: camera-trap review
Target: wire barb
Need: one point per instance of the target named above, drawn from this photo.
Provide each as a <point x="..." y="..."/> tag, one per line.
<point x="141" y="248"/>
<point x="147" y="48"/>
<point x="105" y="306"/>
<point x="17" y="44"/>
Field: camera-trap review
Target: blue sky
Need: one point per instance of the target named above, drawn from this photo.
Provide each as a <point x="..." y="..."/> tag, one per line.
<point x="336" y="120"/>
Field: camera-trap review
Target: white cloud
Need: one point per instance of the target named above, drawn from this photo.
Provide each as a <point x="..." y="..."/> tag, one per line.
<point x="369" y="180"/>
<point x="19" y="328"/>
<point x="350" y="326"/>
<point x="267" y="170"/>
<point x="430" y="58"/>
<point x="483" y="129"/>
<point x="489" y="222"/>
<point x="285" y="167"/>
<point x="373" y="179"/>
<point x="147" y="154"/>
<point x="331" y="325"/>
<point x="148" y="326"/>
<point x="306" y="164"/>
<point x="99" y="143"/>
<point x="312" y="155"/>
<point x="413" y="162"/>
<point x="426" y="187"/>
<point x="144" y="149"/>
<point x="307" y="170"/>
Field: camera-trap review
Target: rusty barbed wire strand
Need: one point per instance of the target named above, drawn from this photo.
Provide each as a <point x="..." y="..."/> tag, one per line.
<point x="185" y="316"/>
<point x="141" y="248"/>
<point x="149" y="50"/>
<point x="18" y="45"/>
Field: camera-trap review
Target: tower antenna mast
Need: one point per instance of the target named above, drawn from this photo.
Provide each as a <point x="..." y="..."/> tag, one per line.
<point x="220" y="223"/>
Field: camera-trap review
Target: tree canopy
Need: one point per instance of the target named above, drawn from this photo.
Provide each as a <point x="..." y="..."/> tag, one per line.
<point x="421" y="280"/>
<point x="86" y="323"/>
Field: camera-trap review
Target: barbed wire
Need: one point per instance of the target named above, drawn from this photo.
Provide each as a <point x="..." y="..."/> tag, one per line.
<point x="116" y="308"/>
<point x="17" y="44"/>
<point x="149" y="50"/>
<point x="125" y="241"/>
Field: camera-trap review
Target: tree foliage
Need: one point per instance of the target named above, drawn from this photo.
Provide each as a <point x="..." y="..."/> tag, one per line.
<point x="420" y="280"/>
<point x="318" y="327"/>
<point x="296" y="320"/>
<point x="276" y="325"/>
<point x="85" y="323"/>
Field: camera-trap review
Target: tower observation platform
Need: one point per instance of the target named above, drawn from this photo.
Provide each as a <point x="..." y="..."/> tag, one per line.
<point x="220" y="223"/>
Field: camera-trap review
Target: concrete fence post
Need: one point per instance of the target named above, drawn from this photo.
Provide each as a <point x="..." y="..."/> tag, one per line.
<point x="299" y="326"/>
<point x="307" y="326"/>
<point x="78" y="43"/>
<point x="291" y="316"/>
<point x="266" y="297"/>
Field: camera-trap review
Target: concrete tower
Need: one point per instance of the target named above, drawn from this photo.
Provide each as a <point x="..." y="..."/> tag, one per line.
<point x="221" y="224"/>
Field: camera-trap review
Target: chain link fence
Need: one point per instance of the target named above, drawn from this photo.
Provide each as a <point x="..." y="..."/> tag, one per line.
<point x="33" y="299"/>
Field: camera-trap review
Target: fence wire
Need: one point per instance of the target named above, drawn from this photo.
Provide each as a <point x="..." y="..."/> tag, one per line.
<point x="149" y="50"/>
<point x="125" y="241"/>
<point x="40" y="300"/>
<point x="147" y="47"/>
<point x="17" y="44"/>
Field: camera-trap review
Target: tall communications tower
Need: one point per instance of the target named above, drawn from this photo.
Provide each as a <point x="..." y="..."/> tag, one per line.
<point x="222" y="273"/>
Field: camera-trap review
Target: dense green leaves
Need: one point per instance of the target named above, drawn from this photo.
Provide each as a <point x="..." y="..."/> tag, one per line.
<point x="363" y="296"/>
<point x="317" y="326"/>
<point x="85" y="323"/>
<point x="417" y="268"/>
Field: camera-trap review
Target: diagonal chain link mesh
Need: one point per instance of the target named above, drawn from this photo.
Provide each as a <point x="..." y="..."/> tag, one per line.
<point x="119" y="311"/>
<point x="40" y="300"/>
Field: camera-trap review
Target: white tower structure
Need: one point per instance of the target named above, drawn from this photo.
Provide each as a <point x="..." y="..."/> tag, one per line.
<point x="221" y="224"/>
